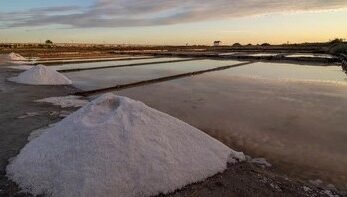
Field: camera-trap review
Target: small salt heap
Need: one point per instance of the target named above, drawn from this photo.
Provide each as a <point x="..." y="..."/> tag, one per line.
<point x="41" y="75"/>
<point x="16" y="57"/>
<point x="12" y="58"/>
<point x="115" y="146"/>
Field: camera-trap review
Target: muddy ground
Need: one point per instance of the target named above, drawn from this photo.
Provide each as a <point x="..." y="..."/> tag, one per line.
<point x="243" y="179"/>
<point x="249" y="180"/>
<point x="16" y="125"/>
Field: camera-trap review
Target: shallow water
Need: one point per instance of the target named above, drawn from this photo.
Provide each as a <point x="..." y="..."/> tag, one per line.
<point x="230" y="53"/>
<point x="62" y="60"/>
<point x="299" y="127"/>
<point x="310" y="55"/>
<point x="110" y="63"/>
<point x="290" y="72"/>
<point x="248" y="54"/>
<point x="261" y="54"/>
<point x="115" y="62"/>
<point x="93" y="79"/>
<point x="294" y="115"/>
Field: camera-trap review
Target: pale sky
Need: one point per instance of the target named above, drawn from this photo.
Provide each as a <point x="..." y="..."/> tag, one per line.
<point x="172" y="22"/>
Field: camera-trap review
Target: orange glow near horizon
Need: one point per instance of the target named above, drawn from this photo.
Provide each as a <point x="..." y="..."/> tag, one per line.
<point x="273" y="28"/>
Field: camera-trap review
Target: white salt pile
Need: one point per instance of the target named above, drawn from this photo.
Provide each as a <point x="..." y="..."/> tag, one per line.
<point x="12" y="58"/>
<point x="41" y="75"/>
<point x="16" y="57"/>
<point x="65" y="101"/>
<point x="115" y="146"/>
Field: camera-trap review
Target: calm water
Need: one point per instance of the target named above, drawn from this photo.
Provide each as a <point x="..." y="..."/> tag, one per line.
<point x="310" y="55"/>
<point x="300" y="127"/>
<point x="226" y="54"/>
<point x="92" y="79"/>
<point x="248" y="54"/>
<point x="115" y="62"/>
<point x="111" y="63"/>
<point x="262" y="54"/>
<point x="293" y="115"/>
<point x="289" y="72"/>
<point x="62" y="60"/>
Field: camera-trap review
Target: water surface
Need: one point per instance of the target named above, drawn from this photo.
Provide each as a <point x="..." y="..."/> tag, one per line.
<point x="110" y="63"/>
<point x="299" y="125"/>
<point x="101" y="78"/>
<point x="310" y="55"/>
<point x="287" y="72"/>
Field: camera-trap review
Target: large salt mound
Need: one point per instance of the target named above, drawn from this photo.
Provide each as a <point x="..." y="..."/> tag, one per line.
<point x="115" y="146"/>
<point x="41" y="75"/>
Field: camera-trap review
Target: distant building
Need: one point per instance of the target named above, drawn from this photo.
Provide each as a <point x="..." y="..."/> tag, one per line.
<point x="217" y="43"/>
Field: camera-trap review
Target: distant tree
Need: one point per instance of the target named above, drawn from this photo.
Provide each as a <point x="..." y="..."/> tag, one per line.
<point x="265" y="44"/>
<point x="237" y="45"/>
<point x="249" y="44"/>
<point x="336" y="40"/>
<point x="217" y="43"/>
<point x="49" y="42"/>
<point x="339" y="49"/>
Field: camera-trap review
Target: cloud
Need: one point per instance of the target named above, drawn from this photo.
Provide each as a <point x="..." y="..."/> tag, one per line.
<point x="127" y="13"/>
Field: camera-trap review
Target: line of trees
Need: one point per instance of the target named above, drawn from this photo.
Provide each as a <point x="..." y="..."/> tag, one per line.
<point x="332" y="41"/>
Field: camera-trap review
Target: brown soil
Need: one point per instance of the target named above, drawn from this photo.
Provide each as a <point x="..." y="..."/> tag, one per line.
<point x="248" y="180"/>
